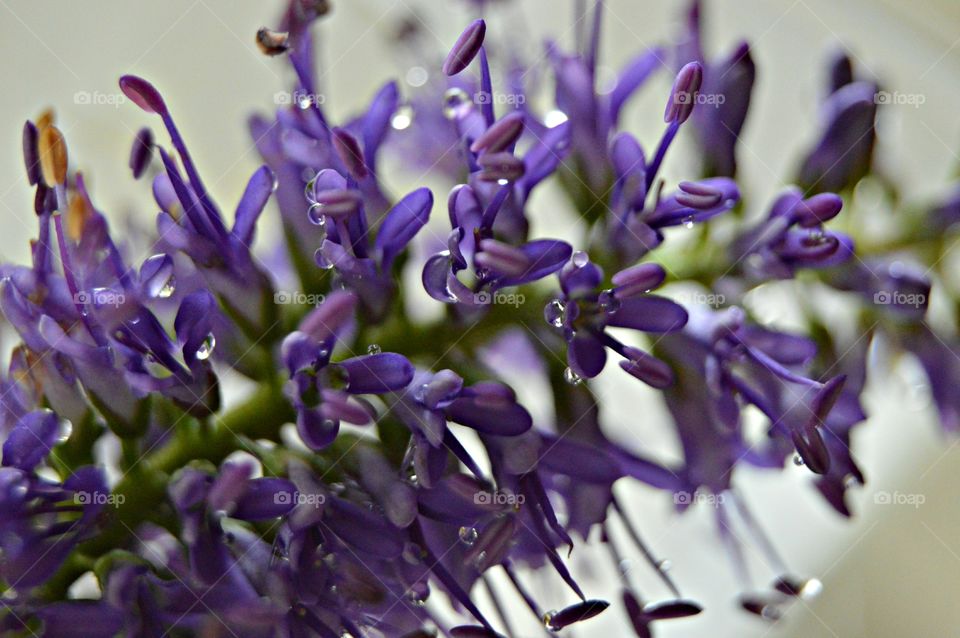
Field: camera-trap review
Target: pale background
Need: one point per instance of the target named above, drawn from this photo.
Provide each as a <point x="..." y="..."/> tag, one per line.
<point x="893" y="570"/>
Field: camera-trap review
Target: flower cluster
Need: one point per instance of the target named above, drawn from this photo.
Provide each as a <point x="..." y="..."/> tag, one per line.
<point x="382" y="470"/>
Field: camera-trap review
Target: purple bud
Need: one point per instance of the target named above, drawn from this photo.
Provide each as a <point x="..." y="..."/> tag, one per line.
<point x="141" y="152"/>
<point x="466" y="48"/>
<point x="683" y="96"/>
<point x="672" y="609"/>
<point x="818" y="209"/>
<point x="473" y="631"/>
<point x="638" y="280"/>
<point x="350" y="153"/>
<point x="31" y="157"/>
<point x="328" y="318"/>
<point x="647" y="368"/>
<point x="143" y="94"/>
<point x="501" y="135"/>
<point x="699" y="195"/>
<point x="812" y="449"/>
<point x="500" y="166"/>
<point x="575" y="613"/>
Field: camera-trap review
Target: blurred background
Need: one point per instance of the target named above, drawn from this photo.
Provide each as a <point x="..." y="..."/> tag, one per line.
<point x="894" y="569"/>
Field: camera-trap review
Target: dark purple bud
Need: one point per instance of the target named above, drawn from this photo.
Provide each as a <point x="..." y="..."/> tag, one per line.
<point x="800" y="588"/>
<point x="818" y="209"/>
<point x="500" y="166"/>
<point x="841" y="71"/>
<point x="349" y="151"/>
<point x="764" y="606"/>
<point x="812" y="449"/>
<point x="641" y="624"/>
<point x="31" y="156"/>
<point x="683" y="96"/>
<point x="490" y="408"/>
<point x="501" y="258"/>
<point x="465" y="48"/>
<point x="586" y="354"/>
<point x="143" y="94"/>
<point x="272" y="42"/>
<point x="699" y="195"/>
<point x="575" y="613"/>
<point x="647" y="368"/>
<point x="649" y="313"/>
<point x="827" y="397"/>
<point x="493" y="544"/>
<point x="501" y="135"/>
<point x="638" y="280"/>
<point x="377" y="373"/>
<point x="672" y="609"/>
<point x="142" y="152"/>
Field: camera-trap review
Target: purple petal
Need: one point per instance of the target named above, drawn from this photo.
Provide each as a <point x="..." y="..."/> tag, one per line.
<point x="349" y="152"/>
<point x="576" y="613"/>
<point x="80" y="619"/>
<point x="490" y="411"/>
<point x="143" y="94"/>
<point x="30" y="440"/>
<point x="316" y="430"/>
<point x="141" y="152"/>
<point x="261" y="185"/>
<point x="465" y="48"/>
<point x="546" y="256"/>
<point x="265" y="498"/>
<point x="586" y="354"/>
<point x="402" y="223"/>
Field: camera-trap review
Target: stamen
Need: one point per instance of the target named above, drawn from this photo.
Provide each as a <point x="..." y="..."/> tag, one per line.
<point x="53" y="156"/>
<point x="272" y="42"/>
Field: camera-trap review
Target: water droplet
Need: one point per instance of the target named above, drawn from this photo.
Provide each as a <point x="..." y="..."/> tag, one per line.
<point x="480" y="559"/>
<point x="688" y="222"/>
<point x="580" y="259"/>
<point x="168" y="288"/>
<point x="402" y="118"/>
<point x="415" y="598"/>
<point x="66" y="429"/>
<point x="850" y="481"/>
<point x="206" y="348"/>
<point x="553" y="312"/>
<point x="315" y="215"/>
<point x="608" y="301"/>
<point x="770" y="612"/>
<point x="572" y="377"/>
<point x="468" y="535"/>
<point x="811" y="589"/>
<point x="625" y="565"/>
<point x="322" y="260"/>
<point x="412" y="553"/>
<point x="548" y="619"/>
<point x="373" y="349"/>
<point x="503" y="182"/>
<point x="797" y="460"/>
<point x="421" y="392"/>
<point x="664" y="565"/>
<point x="323" y="353"/>
<point x="308" y="190"/>
<point x="455" y="102"/>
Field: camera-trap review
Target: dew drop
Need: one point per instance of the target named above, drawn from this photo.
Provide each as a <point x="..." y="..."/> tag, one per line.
<point x="580" y="259"/>
<point x="455" y="102"/>
<point x="625" y="565"/>
<point x="688" y="222"/>
<point x="417" y="76"/>
<point x="402" y="118"/>
<point x="664" y="565"/>
<point x="503" y="182"/>
<point x="322" y="260"/>
<point x="206" y="348"/>
<point x="468" y="535"/>
<point x="553" y="313"/>
<point x="315" y="215"/>
<point x="480" y="559"/>
<point x="421" y="392"/>
<point x="608" y="301"/>
<point x="168" y="288"/>
<point x="555" y="118"/>
<point x="412" y="553"/>
<point x="797" y="460"/>
<point x="811" y="589"/>
<point x="548" y="619"/>
<point x="308" y="190"/>
<point x="373" y="349"/>
<point x="572" y="377"/>
<point x="416" y="599"/>
<point x="770" y="612"/>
